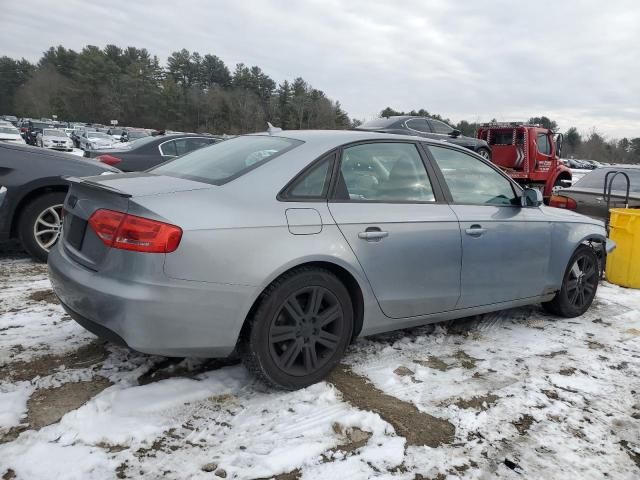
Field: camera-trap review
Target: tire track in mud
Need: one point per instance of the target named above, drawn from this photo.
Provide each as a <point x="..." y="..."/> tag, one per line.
<point x="418" y="428"/>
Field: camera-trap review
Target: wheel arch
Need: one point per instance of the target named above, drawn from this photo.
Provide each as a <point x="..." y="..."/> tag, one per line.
<point x="344" y="274"/>
<point x="26" y="199"/>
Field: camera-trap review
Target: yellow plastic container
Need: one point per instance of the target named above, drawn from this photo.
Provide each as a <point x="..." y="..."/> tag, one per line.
<point x="623" y="264"/>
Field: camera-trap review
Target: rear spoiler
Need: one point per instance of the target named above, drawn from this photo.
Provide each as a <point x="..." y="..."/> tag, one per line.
<point x="96" y="186"/>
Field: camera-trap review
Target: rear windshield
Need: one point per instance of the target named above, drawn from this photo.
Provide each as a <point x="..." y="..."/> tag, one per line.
<point x="225" y="161"/>
<point x="8" y="130"/>
<point x="595" y="179"/>
<point x="379" y="123"/>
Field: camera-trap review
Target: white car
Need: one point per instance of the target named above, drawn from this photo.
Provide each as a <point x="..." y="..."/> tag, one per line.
<point x="95" y="141"/>
<point x="10" y="134"/>
<point x="55" y="139"/>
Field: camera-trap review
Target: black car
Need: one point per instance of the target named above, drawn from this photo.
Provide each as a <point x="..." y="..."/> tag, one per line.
<point x="148" y="152"/>
<point x="586" y="196"/>
<point x="33" y="128"/>
<point x="426" y="127"/>
<point x="32" y="193"/>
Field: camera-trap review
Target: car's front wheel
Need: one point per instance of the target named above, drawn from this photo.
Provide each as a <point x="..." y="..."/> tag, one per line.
<point x="40" y="224"/>
<point x="579" y="285"/>
<point x="300" y="330"/>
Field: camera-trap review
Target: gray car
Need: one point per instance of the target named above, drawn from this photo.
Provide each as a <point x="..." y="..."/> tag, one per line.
<point x="588" y="194"/>
<point x="287" y="246"/>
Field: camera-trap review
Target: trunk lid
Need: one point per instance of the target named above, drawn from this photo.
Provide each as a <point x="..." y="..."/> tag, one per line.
<point x="113" y="192"/>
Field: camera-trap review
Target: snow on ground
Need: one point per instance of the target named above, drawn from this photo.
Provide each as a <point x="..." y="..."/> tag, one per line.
<point x="516" y="394"/>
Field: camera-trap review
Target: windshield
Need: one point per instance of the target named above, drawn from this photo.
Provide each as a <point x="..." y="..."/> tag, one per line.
<point x="225" y="161"/>
<point x="11" y="130"/>
<point x="595" y="179"/>
<point x="50" y="132"/>
<point x="136" y="134"/>
<point x="99" y="135"/>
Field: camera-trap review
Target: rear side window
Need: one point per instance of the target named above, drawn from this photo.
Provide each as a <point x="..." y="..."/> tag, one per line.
<point x="312" y="184"/>
<point x="418" y="124"/>
<point x="225" y="161"/>
<point x="383" y="172"/>
<point x="168" y="149"/>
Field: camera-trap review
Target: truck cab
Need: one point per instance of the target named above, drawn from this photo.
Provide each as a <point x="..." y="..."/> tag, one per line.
<point x="530" y="154"/>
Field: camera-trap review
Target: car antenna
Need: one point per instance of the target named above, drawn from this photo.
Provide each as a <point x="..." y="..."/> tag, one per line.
<point x="271" y="129"/>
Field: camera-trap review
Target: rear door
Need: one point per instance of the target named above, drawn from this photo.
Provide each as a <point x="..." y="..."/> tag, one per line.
<point x="505" y="247"/>
<point x="405" y="237"/>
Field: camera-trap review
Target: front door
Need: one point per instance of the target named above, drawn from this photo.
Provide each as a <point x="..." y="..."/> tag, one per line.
<point x="505" y="247"/>
<point x="407" y="243"/>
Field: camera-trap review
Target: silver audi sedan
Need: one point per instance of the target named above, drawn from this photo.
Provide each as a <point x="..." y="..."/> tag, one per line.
<point x="285" y="247"/>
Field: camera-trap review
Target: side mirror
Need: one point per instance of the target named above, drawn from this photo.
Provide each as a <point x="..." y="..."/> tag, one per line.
<point x="455" y="133"/>
<point x="532" y="197"/>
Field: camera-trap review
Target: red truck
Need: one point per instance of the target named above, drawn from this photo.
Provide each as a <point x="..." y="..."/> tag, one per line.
<point x="530" y="154"/>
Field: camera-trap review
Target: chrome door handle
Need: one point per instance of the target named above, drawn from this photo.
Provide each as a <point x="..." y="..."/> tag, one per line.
<point x="475" y="230"/>
<point x="373" y="235"/>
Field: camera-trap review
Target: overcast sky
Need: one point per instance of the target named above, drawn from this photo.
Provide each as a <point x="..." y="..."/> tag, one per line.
<point x="577" y="62"/>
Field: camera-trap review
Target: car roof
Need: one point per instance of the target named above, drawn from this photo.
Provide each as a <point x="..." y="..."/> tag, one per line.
<point x="339" y="137"/>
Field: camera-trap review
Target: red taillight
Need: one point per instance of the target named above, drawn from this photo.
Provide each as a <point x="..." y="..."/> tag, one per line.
<point x="129" y="232"/>
<point x="560" y="201"/>
<point x="108" y="159"/>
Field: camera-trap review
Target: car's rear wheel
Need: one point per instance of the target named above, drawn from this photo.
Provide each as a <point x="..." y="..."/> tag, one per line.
<point x="484" y="153"/>
<point x="579" y="285"/>
<point x="300" y="330"/>
<point x="40" y="224"/>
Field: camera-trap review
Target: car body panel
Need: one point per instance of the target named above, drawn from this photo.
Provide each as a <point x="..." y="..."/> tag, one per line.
<point x="136" y="157"/>
<point x="409" y="276"/>
<point x="589" y="193"/>
<point x="237" y="240"/>
<point x="26" y="169"/>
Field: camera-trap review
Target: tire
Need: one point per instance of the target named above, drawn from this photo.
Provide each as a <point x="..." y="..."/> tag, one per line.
<point x="287" y="319"/>
<point x="579" y="285"/>
<point x="39" y="216"/>
<point x="484" y="153"/>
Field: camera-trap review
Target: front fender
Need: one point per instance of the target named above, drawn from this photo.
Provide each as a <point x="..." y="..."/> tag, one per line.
<point x="566" y="237"/>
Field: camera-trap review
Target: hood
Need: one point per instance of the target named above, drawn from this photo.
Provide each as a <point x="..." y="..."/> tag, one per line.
<point x="562" y="214"/>
<point x="140" y="184"/>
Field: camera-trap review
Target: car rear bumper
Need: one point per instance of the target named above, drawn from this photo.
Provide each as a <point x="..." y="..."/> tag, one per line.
<point x="162" y="317"/>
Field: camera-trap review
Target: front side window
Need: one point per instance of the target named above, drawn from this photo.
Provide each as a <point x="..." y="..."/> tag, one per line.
<point x="544" y="145"/>
<point x="384" y="172"/>
<point x="471" y="181"/>
<point x="440" y="127"/>
<point x="225" y="161"/>
<point x="418" y="124"/>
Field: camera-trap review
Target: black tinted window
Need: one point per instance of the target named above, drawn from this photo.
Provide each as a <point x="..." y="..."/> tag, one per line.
<point x="440" y="127"/>
<point x="471" y="181"/>
<point x="227" y="160"/>
<point x="313" y="183"/>
<point x="168" y="149"/>
<point x="418" y="124"/>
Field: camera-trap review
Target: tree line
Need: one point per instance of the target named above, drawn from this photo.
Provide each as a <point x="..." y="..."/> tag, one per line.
<point x="191" y="92"/>
<point x="590" y="146"/>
